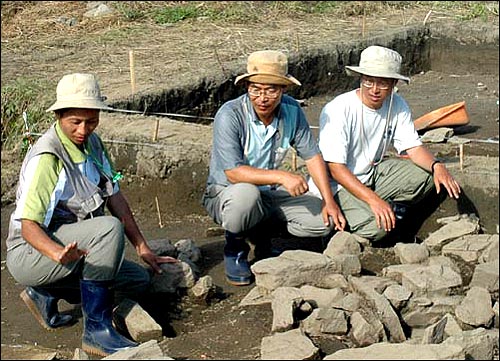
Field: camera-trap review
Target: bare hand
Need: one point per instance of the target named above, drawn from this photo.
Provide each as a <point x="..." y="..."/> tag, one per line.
<point x="333" y="211"/>
<point x="442" y="176"/>
<point x="71" y="253"/>
<point x="154" y="261"/>
<point x="384" y="215"/>
<point x="295" y="184"/>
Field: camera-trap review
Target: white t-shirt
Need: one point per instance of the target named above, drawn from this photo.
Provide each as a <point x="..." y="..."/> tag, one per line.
<point x="355" y="135"/>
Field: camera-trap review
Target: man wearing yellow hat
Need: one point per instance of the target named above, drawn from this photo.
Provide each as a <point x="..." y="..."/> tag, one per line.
<point x="356" y="129"/>
<point x="246" y="186"/>
<point x="59" y="238"/>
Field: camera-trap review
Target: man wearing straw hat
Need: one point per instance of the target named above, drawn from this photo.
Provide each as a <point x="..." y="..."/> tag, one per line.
<point x="356" y="129"/>
<point x="60" y="241"/>
<point x="245" y="186"/>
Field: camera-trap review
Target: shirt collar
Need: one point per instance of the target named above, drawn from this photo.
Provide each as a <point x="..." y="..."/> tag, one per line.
<point x="254" y="116"/>
<point x="76" y="155"/>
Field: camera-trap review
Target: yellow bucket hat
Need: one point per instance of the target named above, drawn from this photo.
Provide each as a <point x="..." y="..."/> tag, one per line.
<point x="268" y="67"/>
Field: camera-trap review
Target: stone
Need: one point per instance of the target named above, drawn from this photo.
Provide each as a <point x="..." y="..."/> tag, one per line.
<point x="289" y="345"/>
<point x="130" y="316"/>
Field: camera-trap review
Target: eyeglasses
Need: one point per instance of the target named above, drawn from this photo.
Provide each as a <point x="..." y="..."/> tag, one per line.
<point x="271" y="93"/>
<point x="382" y="85"/>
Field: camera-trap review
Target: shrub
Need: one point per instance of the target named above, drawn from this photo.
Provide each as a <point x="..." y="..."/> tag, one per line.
<point x="28" y="96"/>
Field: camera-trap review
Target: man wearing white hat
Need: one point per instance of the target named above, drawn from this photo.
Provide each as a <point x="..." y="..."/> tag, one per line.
<point x="356" y="129"/>
<point x="59" y="238"/>
<point x="246" y="186"/>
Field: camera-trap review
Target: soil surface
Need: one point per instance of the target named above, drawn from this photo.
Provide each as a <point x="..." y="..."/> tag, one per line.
<point x="221" y="329"/>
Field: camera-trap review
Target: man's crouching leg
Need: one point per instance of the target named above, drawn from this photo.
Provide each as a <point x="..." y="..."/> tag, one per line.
<point x="236" y="264"/>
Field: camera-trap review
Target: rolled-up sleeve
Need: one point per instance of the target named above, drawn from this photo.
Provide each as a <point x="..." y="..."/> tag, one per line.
<point x="334" y="133"/>
<point x="405" y="135"/>
<point x="227" y="148"/>
<point x="304" y="141"/>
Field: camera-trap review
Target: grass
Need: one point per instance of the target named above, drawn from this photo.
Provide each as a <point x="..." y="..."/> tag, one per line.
<point x="478" y="10"/>
<point x="174" y="14"/>
<point x="116" y="35"/>
<point x="28" y="96"/>
<point x="168" y="13"/>
<point x="251" y="10"/>
<point x="29" y="25"/>
<point x="27" y="20"/>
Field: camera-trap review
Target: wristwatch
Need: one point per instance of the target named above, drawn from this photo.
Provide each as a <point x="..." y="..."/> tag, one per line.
<point x="433" y="164"/>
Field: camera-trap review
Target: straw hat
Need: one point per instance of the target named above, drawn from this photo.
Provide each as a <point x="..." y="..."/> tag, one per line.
<point x="379" y="62"/>
<point x="268" y="67"/>
<point x="78" y="91"/>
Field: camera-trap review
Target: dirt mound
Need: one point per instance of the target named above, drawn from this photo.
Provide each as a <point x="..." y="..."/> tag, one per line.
<point x="39" y="42"/>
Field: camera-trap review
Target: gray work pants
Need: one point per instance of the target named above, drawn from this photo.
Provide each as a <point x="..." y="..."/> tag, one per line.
<point x="398" y="180"/>
<point x="103" y="238"/>
<point x="240" y="207"/>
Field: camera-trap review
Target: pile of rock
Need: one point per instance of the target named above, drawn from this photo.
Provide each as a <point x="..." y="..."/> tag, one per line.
<point x="426" y="307"/>
<point x="184" y="275"/>
<point x="439" y="302"/>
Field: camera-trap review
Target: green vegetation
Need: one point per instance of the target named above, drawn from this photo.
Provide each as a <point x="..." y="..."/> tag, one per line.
<point x="166" y="13"/>
<point x="142" y="17"/>
<point x="24" y="96"/>
<point x="467" y="10"/>
<point x="478" y="10"/>
<point x="171" y="12"/>
<point x="116" y="35"/>
<point x="177" y="13"/>
<point x="129" y="10"/>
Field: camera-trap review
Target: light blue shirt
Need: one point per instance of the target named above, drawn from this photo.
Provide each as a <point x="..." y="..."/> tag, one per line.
<point x="240" y="138"/>
<point x="260" y="143"/>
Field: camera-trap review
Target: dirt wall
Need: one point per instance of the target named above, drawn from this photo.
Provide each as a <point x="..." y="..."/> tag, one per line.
<point x="321" y="71"/>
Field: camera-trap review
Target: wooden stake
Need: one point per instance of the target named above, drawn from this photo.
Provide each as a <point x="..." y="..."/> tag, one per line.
<point x="461" y="146"/>
<point x="294" y="160"/>
<point x="132" y="70"/>
<point x="427" y="16"/>
<point x="363" y="22"/>
<point x="157" y="128"/>
<point x="220" y="63"/>
<point x="159" y="214"/>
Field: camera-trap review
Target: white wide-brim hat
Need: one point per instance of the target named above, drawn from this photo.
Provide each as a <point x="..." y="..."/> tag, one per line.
<point x="268" y="67"/>
<point x="79" y="91"/>
<point x="379" y="62"/>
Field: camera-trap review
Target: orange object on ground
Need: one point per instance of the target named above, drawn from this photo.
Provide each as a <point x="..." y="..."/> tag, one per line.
<point x="450" y="115"/>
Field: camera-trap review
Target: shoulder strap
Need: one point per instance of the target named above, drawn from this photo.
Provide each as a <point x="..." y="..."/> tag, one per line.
<point x="88" y="197"/>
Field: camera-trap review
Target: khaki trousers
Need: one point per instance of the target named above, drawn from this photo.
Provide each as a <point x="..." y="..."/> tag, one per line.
<point x="398" y="180"/>
<point x="242" y="206"/>
<point x="104" y="239"/>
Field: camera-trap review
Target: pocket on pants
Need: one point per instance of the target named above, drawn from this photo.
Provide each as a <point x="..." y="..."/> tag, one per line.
<point x="213" y="191"/>
<point x="209" y="201"/>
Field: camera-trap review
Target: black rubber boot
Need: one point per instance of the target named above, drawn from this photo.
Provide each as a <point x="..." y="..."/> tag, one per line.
<point x="43" y="305"/>
<point x="236" y="264"/>
<point x="261" y="237"/>
<point x="263" y="246"/>
<point x="99" y="336"/>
